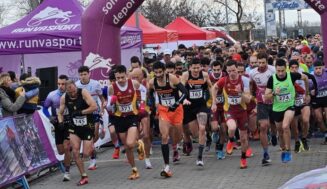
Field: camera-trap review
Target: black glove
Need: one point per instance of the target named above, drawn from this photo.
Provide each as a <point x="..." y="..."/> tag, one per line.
<point x="61" y="126"/>
<point x="77" y="113"/>
<point x="53" y="120"/>
<point x="173" y="107"/>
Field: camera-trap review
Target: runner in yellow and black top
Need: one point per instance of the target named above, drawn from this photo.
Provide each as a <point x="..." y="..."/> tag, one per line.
<point x="170" y="110"/>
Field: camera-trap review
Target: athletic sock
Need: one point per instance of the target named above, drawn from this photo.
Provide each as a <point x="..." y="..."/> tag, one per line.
<point x="165" y="153"/>
<point x="201" y="147"/>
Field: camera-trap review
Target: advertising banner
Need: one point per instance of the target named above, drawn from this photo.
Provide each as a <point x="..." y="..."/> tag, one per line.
<point x="24" y="147"/>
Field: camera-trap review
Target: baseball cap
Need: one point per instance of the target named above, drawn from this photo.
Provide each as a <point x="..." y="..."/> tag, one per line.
<point x="305" y="50"/>
<point x="237" y="57"/>
<point x="167" y="51"/>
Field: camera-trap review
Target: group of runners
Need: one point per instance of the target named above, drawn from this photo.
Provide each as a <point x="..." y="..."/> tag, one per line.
<point x="214" y="100"/>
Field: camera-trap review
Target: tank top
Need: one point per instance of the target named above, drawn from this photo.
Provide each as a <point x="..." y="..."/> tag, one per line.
<point x="126" y="100"/>
<point x="220" y="96"/>
<point x="233" y="98"/>
<point x="78" y="104"/>
<point x="321" y="85"/>
<point x="166" y="94"/>
<point x="196" y="88"/>
<point x="286" y="97"/>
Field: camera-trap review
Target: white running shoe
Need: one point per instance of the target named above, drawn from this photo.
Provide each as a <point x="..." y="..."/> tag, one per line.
<point x="148" y="164"/>
<point x="199" y="163"/>
<point x="66" y="177"/>
<point x="93" y="165"/>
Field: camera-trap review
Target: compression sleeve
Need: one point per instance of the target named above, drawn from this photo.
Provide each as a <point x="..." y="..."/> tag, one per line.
<point x="182" y="89"/>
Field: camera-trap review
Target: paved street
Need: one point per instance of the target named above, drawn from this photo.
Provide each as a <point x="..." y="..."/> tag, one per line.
<point x="215" y="174"/>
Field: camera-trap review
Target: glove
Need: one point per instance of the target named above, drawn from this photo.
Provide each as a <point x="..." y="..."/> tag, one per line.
<point x="173" y="107"/>
<point x="53" y="120"/>
<point x="77" y="113"/>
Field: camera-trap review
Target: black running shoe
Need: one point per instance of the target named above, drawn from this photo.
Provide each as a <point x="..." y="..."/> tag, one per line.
<point x="297" y="147"/>
<point x="274" y="140"/>
<point x="305" y="144"/>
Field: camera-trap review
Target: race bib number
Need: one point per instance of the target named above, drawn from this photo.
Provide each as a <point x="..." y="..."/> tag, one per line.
<point x="284" y="98"/>
<point x="168" y="101"/>
<point x="80" y="121"/>
<point x="196" y="94"/>
<point x="322" y="94"/>
<point x="220" y="99"/>
<point x="299" y="101"/>
<point x="234" y="100"/>
<point x="125" y="108"/>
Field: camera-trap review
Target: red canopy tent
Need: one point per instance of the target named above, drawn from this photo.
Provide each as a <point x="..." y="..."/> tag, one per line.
<point x="151" y="33"/>
<point x="189" y="31"/>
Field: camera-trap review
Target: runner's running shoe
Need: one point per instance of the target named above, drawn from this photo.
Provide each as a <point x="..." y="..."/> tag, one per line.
<point x="199" y="162"/>
<point x="93" y="165"/>
<point x="176" y="156"/>
<point x="266" y="159"/>
<point x="249" y="152"/>
<point x="220" y="154"/>
<point x="115" y="155"/>
<point x="134" y="175"/>
<point x="229" y="147"/>
<point x="243" y="163"/>
<point x="83" y="181"/>
<point x="66" y="177"/>
<point x="166" y="173"/>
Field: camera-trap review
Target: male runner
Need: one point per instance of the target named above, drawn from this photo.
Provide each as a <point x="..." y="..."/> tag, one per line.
<point x="218" y="122"/>
<point x="170" y="110"/>
<point x="259" y="77"/>
<point x="95" y="90"/>
<point x="61" y="133"/>
<point x="236" y="92"/>
<point x="319" y="103"/>
<point x="280" y="88"/>
<point x="197" y="83"/>
<point x="302" y="108"/>
<point x="124" y="102"/>
<point x="145" y="145"/>
<point x="80" y="106"/>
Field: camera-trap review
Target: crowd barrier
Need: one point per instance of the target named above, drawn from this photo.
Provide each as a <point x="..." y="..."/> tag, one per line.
<point x="27" y="145"/>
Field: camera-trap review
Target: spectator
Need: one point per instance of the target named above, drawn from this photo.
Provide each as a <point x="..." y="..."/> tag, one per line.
<point x="9" y="103"/>
<point x="14" y="80"/>
<point x="31" y="85"/>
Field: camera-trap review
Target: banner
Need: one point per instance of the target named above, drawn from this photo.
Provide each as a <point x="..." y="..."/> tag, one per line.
<point x="288" y="4"/>
<point x="271" y="27"/>
<point x="24" y="147"/>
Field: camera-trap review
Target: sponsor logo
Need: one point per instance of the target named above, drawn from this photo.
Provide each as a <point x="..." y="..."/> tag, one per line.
<point x="60" y="17"/>
<point x="95" y="61"/>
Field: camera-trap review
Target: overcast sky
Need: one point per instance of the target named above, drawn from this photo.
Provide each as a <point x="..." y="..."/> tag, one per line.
<point x="291" y="16"/>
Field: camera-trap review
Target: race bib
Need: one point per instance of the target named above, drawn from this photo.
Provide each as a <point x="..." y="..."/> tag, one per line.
<point x="80" y="121"/>
<point x="234" y="100"/>
<point x="299" y="101"/>
<point x="125" y="108"/>
<point x="322" y="94"/>
<point x="284" y="98"/>
<point x="220" y="99"/>
<point x="196" y="94"/>
<point x="168" y="101"/>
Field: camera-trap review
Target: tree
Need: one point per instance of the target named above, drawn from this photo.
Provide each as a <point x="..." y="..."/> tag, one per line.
<point x="237" y="7"/>
<point x="198" y="12"/>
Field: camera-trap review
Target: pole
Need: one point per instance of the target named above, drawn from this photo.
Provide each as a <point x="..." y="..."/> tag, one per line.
<point x="137" y="23"/>
<point x="227" y="19"/>
<point x="265" y="15"/>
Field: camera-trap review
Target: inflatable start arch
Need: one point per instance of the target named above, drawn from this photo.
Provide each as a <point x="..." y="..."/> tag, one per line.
<point x="320" y="6"/>
<point x="101" y="23"/>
